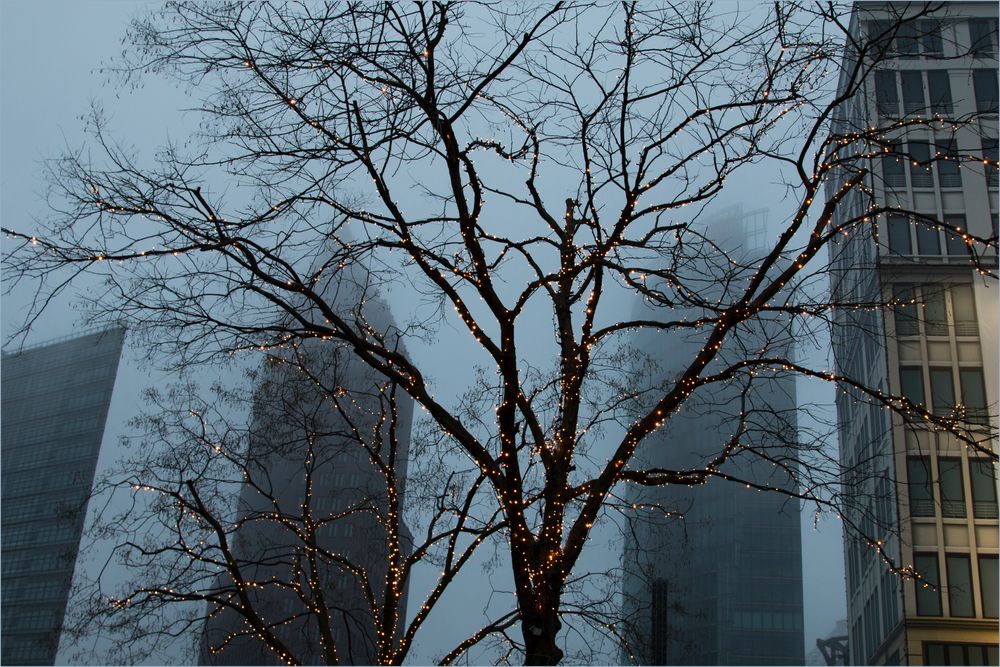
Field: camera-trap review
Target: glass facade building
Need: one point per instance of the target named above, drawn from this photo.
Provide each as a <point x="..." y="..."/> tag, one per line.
<point x="928" y="500"/>
<point x="297" y="430"/>
<point x="55" y="402"/>
<point x="713" y="572"/>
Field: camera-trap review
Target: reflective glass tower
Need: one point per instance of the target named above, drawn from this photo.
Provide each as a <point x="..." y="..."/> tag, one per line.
<point x="713" y="572"/>
<point x="297" y="431"/>
<point x="55" y="402"/>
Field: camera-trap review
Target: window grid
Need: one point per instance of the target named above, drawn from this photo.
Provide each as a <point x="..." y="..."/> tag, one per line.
<point x="921" y="91"/>
<point x="921" y="159"/>
<point x="944" y="485"/>
<point x="984" y="87"/>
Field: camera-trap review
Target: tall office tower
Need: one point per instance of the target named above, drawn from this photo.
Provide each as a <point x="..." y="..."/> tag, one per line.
<point x="713" y="573"/>
<point x="55" y="401"/>
<point x="297" y="430"/>
<point x="929" y="499"/>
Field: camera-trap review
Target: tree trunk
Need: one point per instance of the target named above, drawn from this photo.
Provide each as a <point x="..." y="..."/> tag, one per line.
<point x="540" y="629"/>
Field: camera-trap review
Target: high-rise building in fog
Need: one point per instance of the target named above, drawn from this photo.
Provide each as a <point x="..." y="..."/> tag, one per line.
<point x="55" y="402"/>
<point x="290" y="413"/>
<point x="713" y="573"/>
<point x="927" y="497"/>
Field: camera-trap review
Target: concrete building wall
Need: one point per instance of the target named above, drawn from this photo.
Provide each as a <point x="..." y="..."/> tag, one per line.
<point x="929" y="499"/>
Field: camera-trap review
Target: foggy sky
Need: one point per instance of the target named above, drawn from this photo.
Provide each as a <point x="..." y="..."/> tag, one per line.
<point x="50" y="51"/>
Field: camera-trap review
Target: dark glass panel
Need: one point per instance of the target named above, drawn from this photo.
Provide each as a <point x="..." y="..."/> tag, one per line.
<point x="928" y="590"/>
<point x="959" y="585"/>
<point x="918" y="469"/>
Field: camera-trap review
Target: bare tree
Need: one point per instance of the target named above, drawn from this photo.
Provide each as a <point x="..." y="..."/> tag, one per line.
<point x="314" y="560"/>
<point x="499" y="163"/>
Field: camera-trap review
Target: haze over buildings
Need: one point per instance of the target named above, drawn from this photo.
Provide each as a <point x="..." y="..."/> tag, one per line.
<point x="713" y="572"/>
<point x="299" y="437"/>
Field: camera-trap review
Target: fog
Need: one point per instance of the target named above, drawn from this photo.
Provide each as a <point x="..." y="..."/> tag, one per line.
<point x="52" y="53"/>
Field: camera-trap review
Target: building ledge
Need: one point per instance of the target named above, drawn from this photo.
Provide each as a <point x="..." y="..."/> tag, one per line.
<point x="948" y="623"/>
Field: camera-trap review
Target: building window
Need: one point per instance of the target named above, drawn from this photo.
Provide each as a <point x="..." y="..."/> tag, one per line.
<point x="935" y="312"/>
<point x="886" y="95"/>
<point x="879" y="35"/>
<point x="990" y="158"/>
<point x="911" y="383"/>
<point x="939" y="87"/>
<point x="942" y="391"/>
<point x="983" y="35"/>
<point x="952" y="493"/>
<point x="920" y="164"/>
<point x="905" y="308"/>
<point x="988" y="585"/>
<point x="973" y="395"/>
<point x="907" y="43"/>
<point x="899" y="235"/>
<point x="960" y="654"/>
<point x="984" y="83"/>
<point x="930" y="37"/>
<point x="983" y="481"/>
<point x="927" y="240"/>
<point x="893" y="168"/>
<point x="949" y="173"/>
<point x="918" y="469"/>
<point x="955" y="244"/>
<point x="928" y="590"/>
<point x="658" y="621"/>
<point x="890" y="606"/>
<point x="959" y="585"/>
<point x="854" y="644"/>
<point x="963" y="309"/>
<point x="912" y="82"/>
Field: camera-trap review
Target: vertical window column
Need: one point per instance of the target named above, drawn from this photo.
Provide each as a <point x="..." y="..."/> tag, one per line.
<point x="988" y="585"/>
<point x="952" y="491"/>
<point x="929" y="595"/>
<point x="942" y="391"/>
<point x="912" y="82"/>
<point x="984" y="83"/>
<point x="928" y="242"/>
<point x="939" y="87"/>
<point x="886" y="94"/>
<point x="898" y="228"/>
<point x="959" y="585"/>
<point x="949" y="171"/>
<point x="918" y="470"/>
<point x="920" y="164"/>
<point x="905" y="309"/>
<point x="893" y="168"/>
<point x="973" y="395"/>
<point x="955" y="244"/>
<point x="990" y="157"/>
<point x="983" y="481"/>
<point x="983" y="35"/>
<point x="963" y="310"/>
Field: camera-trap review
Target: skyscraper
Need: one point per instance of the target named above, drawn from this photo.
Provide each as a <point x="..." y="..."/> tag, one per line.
<point x="297" y="430"/>
<point x="927" y="499"/>
<point x="55" y="402"/>
<point x="713" y="573"/>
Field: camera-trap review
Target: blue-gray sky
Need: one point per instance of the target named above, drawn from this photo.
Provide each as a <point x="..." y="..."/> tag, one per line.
<point x="48" y="77"/>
